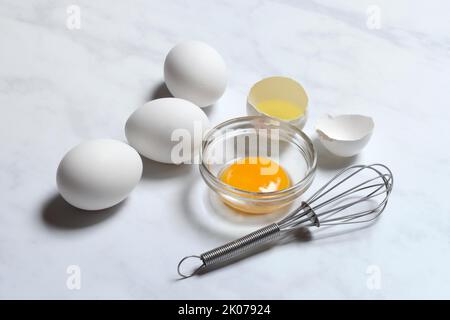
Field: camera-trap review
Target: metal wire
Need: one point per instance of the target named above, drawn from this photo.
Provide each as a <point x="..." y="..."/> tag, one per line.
<point x="333" y="204"/>
<point x="241" y="245"/>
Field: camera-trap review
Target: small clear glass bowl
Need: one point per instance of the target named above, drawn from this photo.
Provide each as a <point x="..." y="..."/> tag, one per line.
<point x="252" y="136"/>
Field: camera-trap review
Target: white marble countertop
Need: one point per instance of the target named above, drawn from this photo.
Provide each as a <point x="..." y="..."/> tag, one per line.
<point x="60" y="86"/>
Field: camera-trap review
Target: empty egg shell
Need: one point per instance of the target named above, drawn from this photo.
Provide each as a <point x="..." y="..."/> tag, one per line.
<point x="345" y="135"/>
<point x="285" y="93"/>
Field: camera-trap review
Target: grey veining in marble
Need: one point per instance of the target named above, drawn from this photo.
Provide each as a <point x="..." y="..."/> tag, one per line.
<point x="60" y="86"/>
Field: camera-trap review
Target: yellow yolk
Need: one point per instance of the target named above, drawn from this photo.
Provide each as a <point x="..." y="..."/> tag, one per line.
<point x="281" y="109"/>
<point x="255" y="174"/>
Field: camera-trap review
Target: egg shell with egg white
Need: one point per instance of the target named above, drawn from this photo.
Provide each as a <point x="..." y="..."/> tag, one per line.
<point x="278" y="88"/>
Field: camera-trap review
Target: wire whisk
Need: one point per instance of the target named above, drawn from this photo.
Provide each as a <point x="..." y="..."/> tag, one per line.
<point x="357" y="194"/>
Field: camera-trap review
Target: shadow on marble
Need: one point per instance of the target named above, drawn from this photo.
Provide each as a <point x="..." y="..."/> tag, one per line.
<point x="153" y="170"/>
<point x="209" y="109"/>
<point x="337" y="233"/>
<point x="328" y="161"/>
<point x="302" y="234"/>
<point x="191" y="212"/>
<point x="57" y="213"/>
<point x="161" y="91"/>
<point x="208" y="214"/>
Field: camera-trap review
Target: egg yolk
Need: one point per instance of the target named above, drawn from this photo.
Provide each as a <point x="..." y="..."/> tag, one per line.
<point x="255" y="174"/>
<point x="281" y="109"/>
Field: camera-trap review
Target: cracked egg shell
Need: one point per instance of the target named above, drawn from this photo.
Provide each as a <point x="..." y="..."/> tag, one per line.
<point x="345" y="135"/>
<point x="280" y="89"/>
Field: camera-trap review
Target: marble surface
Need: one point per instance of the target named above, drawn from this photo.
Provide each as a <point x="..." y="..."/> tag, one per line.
<point x="60" y="86"/>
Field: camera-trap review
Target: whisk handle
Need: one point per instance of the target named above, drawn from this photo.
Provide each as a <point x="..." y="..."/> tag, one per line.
<point x="233" y="249"/>
<point x="239" y="246"/>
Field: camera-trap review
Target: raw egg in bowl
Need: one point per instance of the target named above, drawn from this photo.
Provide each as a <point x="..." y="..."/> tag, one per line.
<point x="257" y="164"/>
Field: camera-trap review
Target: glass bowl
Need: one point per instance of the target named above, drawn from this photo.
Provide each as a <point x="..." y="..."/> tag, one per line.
<point x="254" y="136"/>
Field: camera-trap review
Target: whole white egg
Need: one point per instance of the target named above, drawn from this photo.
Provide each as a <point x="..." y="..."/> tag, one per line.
<point x="168" y="130"/>
<point x="196" y="72"/>
<point x="98" y="174"/>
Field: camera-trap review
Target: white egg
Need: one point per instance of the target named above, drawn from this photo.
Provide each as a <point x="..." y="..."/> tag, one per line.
<point x="345" y="135"/>
<point x="98" y="174"/>
<point x="168" y="130"/>
<point x="196" y="72"/>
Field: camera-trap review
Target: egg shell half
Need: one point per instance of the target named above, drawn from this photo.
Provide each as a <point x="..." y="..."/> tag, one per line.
<point x="345" y="135"/>
<point x="157" y="129"/>
<point x="98" y="174"/>
<point x="282" y="88"/>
